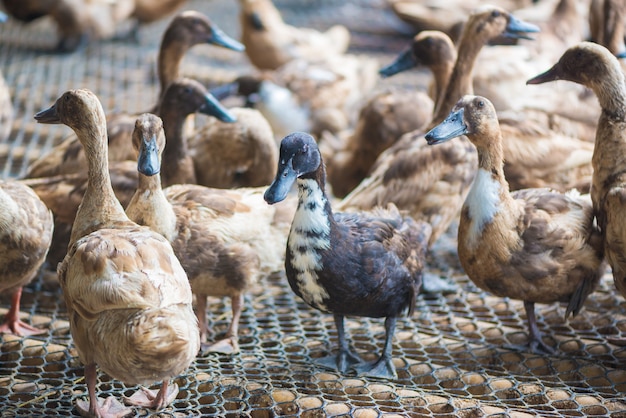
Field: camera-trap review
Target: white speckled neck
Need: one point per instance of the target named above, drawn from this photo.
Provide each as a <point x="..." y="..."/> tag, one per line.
<point x="482" y="202"/>
<point x="310" y="232"/>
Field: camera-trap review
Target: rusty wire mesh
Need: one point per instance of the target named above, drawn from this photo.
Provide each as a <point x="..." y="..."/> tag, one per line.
<point x="456" y="356"/>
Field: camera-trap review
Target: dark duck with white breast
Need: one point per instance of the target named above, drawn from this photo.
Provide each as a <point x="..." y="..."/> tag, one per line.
<point x="366" y="264"/>
<point x="536" y="245"/>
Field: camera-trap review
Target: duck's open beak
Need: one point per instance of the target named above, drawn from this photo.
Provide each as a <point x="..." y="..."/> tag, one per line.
<point x="50" y="115"/>
<point x="405" y="61"/>
<point x="550" y="75"/>
<point x="148" y="162"/>
<point x="451" y="127"/>
<point x="219" y="38"/>
<point x="518" y="29"/>
<point x="213" y="107"/>
<point x="279" y="189"/>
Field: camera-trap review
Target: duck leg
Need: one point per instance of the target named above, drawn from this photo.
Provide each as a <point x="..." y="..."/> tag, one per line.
<point x="344" y="359"/>
<point x="12" y="323"/>
<point x="535" y="342"/>
<point x="229" y="344"/>
<point x="383" y="367"/>
<point x="152" y="399"/>
<point x="98" y="408"/>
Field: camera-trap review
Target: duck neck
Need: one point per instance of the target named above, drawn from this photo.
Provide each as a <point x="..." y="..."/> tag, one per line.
<point x="491" y="159"/>
<point x="314" y="218"/>
<point x="176" y="153"/>
<point x="614" y="26"/>
<point x="611" y="92"/>
<point x="441" y="76"/>
<point x="99" y="207"/>
<point x="150" y="207"/>
<point x="170" y="56"/>
<point x="460" y="80"/>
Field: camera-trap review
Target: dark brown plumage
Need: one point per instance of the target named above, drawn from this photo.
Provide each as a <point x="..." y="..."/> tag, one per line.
<point x="362" y="264"/>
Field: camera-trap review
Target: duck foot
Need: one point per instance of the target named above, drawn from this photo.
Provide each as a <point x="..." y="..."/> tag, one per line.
<point x="19" y="328"/>
<point x="382" y="368"/>
<point x="224" y="346"/>
<point x="149" y="398"/>
<point x="107" y="408"/>
<point x="342" y="362"/>
<point x="434" y="284"/>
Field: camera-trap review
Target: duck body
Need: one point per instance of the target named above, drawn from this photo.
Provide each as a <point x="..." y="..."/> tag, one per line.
<point x="271" y="43"/>
<point x="362" y="264"/>
<point x="596" y="67"/>
<point x="222" y="237"/>
<point x="536" y="245"/>
<point x="26" y="227"/>
<point x="239" y="153"/>
<point x="127" y="296"/>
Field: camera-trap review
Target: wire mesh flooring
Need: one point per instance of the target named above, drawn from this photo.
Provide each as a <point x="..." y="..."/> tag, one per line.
<point x="456" y="356"/>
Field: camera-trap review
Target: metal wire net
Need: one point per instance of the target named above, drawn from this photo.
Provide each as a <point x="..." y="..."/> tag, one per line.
<point x="457" y="356"/>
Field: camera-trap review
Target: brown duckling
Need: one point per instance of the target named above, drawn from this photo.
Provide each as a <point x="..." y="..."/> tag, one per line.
<point x="77" y="21"/>
<point x="595" y="67"/>
<point x="128" y="298"/>
<point x="271" y="43"/>
<point x="535" y="245"/>
<point x="187" y="29"/>
<point x="362" y="264"/>
<point x="25" y="233"/>
<point x="206" y="228"/>
<point x="390" y="114"/>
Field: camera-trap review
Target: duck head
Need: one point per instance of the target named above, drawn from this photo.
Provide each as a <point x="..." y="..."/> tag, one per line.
<point x="473" y="116"/>
<point x="581" y="63"/>
<point x="189" y="96"/>
<point x="192" y="27"/>
<point x="148" y="142"/>
<point x="487" y="22"/>
<point x="73" y="108"/>
<point x="299" y="156"/>
<point x="428" y="48"/>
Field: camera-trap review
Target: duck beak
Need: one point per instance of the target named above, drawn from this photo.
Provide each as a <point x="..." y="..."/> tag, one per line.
<point x="451" y="127"/>
<point x="219" y="38"/>
<point x="3" y="17"/>
<point x="213" y="107"/>
<point x="148" y="162"/>
<point x="49" y="115"/>
<point x="405" y="61"/>
<point x="620" y="55"/>
<point x="517" y="29"/>
<point x="550" y="75"/>
<point x="279" y="189"/>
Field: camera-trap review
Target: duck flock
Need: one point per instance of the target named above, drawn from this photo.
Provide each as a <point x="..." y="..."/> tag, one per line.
<point x="516" y="148"/>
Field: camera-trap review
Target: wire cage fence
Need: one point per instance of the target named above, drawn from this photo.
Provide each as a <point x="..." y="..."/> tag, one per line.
<point x="457" y="356"/>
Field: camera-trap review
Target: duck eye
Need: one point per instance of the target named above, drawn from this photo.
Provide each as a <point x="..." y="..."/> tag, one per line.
<point x="495" y="13"/>
<point x="481" y="103"/>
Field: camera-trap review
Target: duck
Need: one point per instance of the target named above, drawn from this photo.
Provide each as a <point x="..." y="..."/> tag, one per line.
<point x="389" y="114"/>
<point x="63" y="193"/>
<point x="26" y="227"/>
<point x="595" y="67"/>
<point x="77" y="22"/>
<point x="535" y="245"/>
<point x="187" y="29"/>
<point x="237" y="153"/>
<point x="128" y="298"/>
<point x="219" y="236"/>
<point x="431" y="183"/>
<point x="270" y="42"/>
<point x="366" y="264"/>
